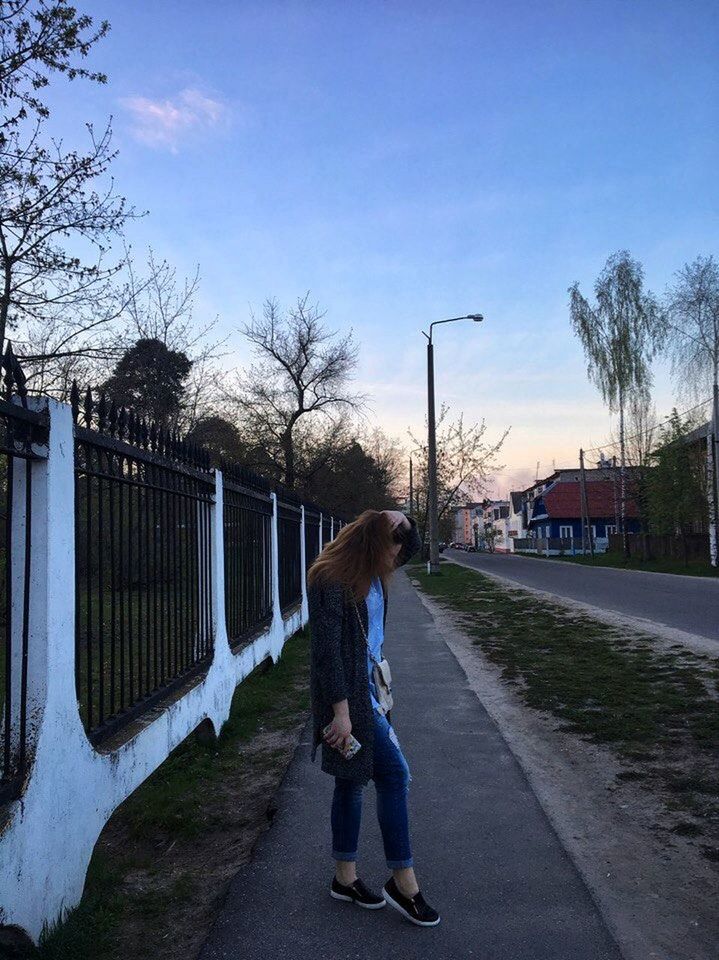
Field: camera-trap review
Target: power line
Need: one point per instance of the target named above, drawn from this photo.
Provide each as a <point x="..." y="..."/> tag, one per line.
<point x="654" y="426"/>
<point x="573" y="466"/>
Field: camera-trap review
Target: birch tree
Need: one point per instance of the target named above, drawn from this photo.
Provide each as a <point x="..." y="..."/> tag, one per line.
<point x="621" y="333"/>
<point x="692" y="304"/>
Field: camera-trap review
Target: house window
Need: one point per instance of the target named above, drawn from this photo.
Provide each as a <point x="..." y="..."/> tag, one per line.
<point x="565" y="532"/>
<point x="611" y="528"/>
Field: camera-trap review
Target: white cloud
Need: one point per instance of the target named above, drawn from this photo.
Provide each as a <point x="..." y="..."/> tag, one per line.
<point x="165" y="123"/>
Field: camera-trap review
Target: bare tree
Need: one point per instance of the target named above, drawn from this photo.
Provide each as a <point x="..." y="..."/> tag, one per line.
<point x="465" y="464"/>
<point x="39" y="38"/>
<point x="347" y="470"/>
<point x="301" y="373"/>
<point x="58" y="209"/>
<point x="140" y="304"/>
<point x="620" y="335"/>
<point x="55" y="228"/>
<point x="389" y="455"/>
<point x="156" y="305"/>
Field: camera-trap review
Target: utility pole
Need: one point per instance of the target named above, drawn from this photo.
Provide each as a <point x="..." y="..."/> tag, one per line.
<point x="614" y="485"/>
<point x="714" y="440"/>
<point x="585" y="505"/>
<point x="411" y="487"/>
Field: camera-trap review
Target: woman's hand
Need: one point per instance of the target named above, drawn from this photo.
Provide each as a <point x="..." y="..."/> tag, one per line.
<point x="397" y="518"/>
<point x="339" y="730"/>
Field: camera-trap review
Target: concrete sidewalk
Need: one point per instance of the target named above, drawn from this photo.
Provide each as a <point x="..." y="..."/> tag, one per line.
<point x="485" y="854"/>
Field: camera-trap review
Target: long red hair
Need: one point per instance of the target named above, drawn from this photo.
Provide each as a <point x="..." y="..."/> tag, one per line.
<point x="360" y="551"/>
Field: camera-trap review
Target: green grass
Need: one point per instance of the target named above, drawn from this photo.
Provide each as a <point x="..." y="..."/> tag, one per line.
<point x="171" y="806"/>
<point x="658" y="711"/>
<point x="695" y="568"/>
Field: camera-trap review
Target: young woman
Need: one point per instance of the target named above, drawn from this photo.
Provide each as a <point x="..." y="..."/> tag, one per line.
<point x="347" y="595"/>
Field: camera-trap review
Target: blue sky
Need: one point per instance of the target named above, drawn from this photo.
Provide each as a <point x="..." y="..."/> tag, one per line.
<point x="407" y="162"/>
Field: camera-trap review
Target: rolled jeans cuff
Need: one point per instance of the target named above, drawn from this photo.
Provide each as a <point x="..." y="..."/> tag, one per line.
<point x="336" y="855"/>
<point x="400" y="864"/>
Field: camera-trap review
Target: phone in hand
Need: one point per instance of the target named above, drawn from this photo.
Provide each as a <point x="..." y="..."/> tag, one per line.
<point x="352" y="744"/>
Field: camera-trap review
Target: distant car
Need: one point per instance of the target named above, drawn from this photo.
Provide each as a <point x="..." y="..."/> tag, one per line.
<point x="471" y="548"/>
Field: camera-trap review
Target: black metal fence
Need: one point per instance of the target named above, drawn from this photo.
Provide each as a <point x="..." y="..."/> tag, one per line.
<point x="23" y="435"/>
<point x="247" y="533"/>
<point x="312" y="535"/>
<point x="326" y="529"/>
<point x="143" y="620"/>
<point x="289" y="517"/>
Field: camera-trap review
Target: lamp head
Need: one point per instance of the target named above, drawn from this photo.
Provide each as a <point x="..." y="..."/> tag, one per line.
<point x="475" y="316"/>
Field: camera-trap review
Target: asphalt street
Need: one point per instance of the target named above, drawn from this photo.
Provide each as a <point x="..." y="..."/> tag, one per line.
<point x="485" y="853"/>
<point x="684" y="603"/>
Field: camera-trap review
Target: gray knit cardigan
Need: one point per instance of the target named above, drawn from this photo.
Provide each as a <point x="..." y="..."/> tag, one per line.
<point x="338" y="667"/>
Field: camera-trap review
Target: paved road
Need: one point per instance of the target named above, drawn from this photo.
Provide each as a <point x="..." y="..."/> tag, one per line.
<point x="485" y="853"/>
<point x="685" y="603"/>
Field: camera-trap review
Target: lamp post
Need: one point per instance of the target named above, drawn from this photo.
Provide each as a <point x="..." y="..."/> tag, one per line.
<point x="433" y="566"/>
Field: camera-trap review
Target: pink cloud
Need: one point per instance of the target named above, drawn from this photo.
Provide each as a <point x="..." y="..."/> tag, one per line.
<point x="165" y="123"/>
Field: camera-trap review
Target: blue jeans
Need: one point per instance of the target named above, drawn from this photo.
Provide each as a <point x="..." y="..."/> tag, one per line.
<point x="391" y="778"/>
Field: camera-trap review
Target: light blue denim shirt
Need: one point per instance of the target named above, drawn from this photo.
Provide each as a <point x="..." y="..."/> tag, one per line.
<point x="375" y="634"/>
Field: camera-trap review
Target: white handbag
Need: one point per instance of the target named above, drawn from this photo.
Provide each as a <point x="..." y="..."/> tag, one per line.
<point x="380" y="672"/>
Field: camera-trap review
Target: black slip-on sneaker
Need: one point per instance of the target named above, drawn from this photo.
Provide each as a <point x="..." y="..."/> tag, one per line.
<point x="416" y="909"/>
<point x="356" y="892"/>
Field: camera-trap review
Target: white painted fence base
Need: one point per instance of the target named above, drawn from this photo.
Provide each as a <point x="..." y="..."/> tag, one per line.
<point x="49" y="834"/>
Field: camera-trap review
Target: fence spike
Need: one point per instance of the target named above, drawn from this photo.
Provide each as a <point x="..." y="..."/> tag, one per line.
<point x="20" y="381"/>
<point x="9" y="378"/>
<point x="102" y="412"/>
<point x="88" y="407"/>
<point x="75" y="401"/>
<point x="112" y="419"/>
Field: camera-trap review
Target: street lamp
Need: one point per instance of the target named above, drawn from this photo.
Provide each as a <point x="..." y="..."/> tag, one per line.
<point x="433" y="566"/>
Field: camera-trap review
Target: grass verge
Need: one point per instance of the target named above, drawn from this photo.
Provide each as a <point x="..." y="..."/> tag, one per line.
<point x="694" y="568"/>
<point x="658" y="710"/>
<point x="162" y="864"/>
